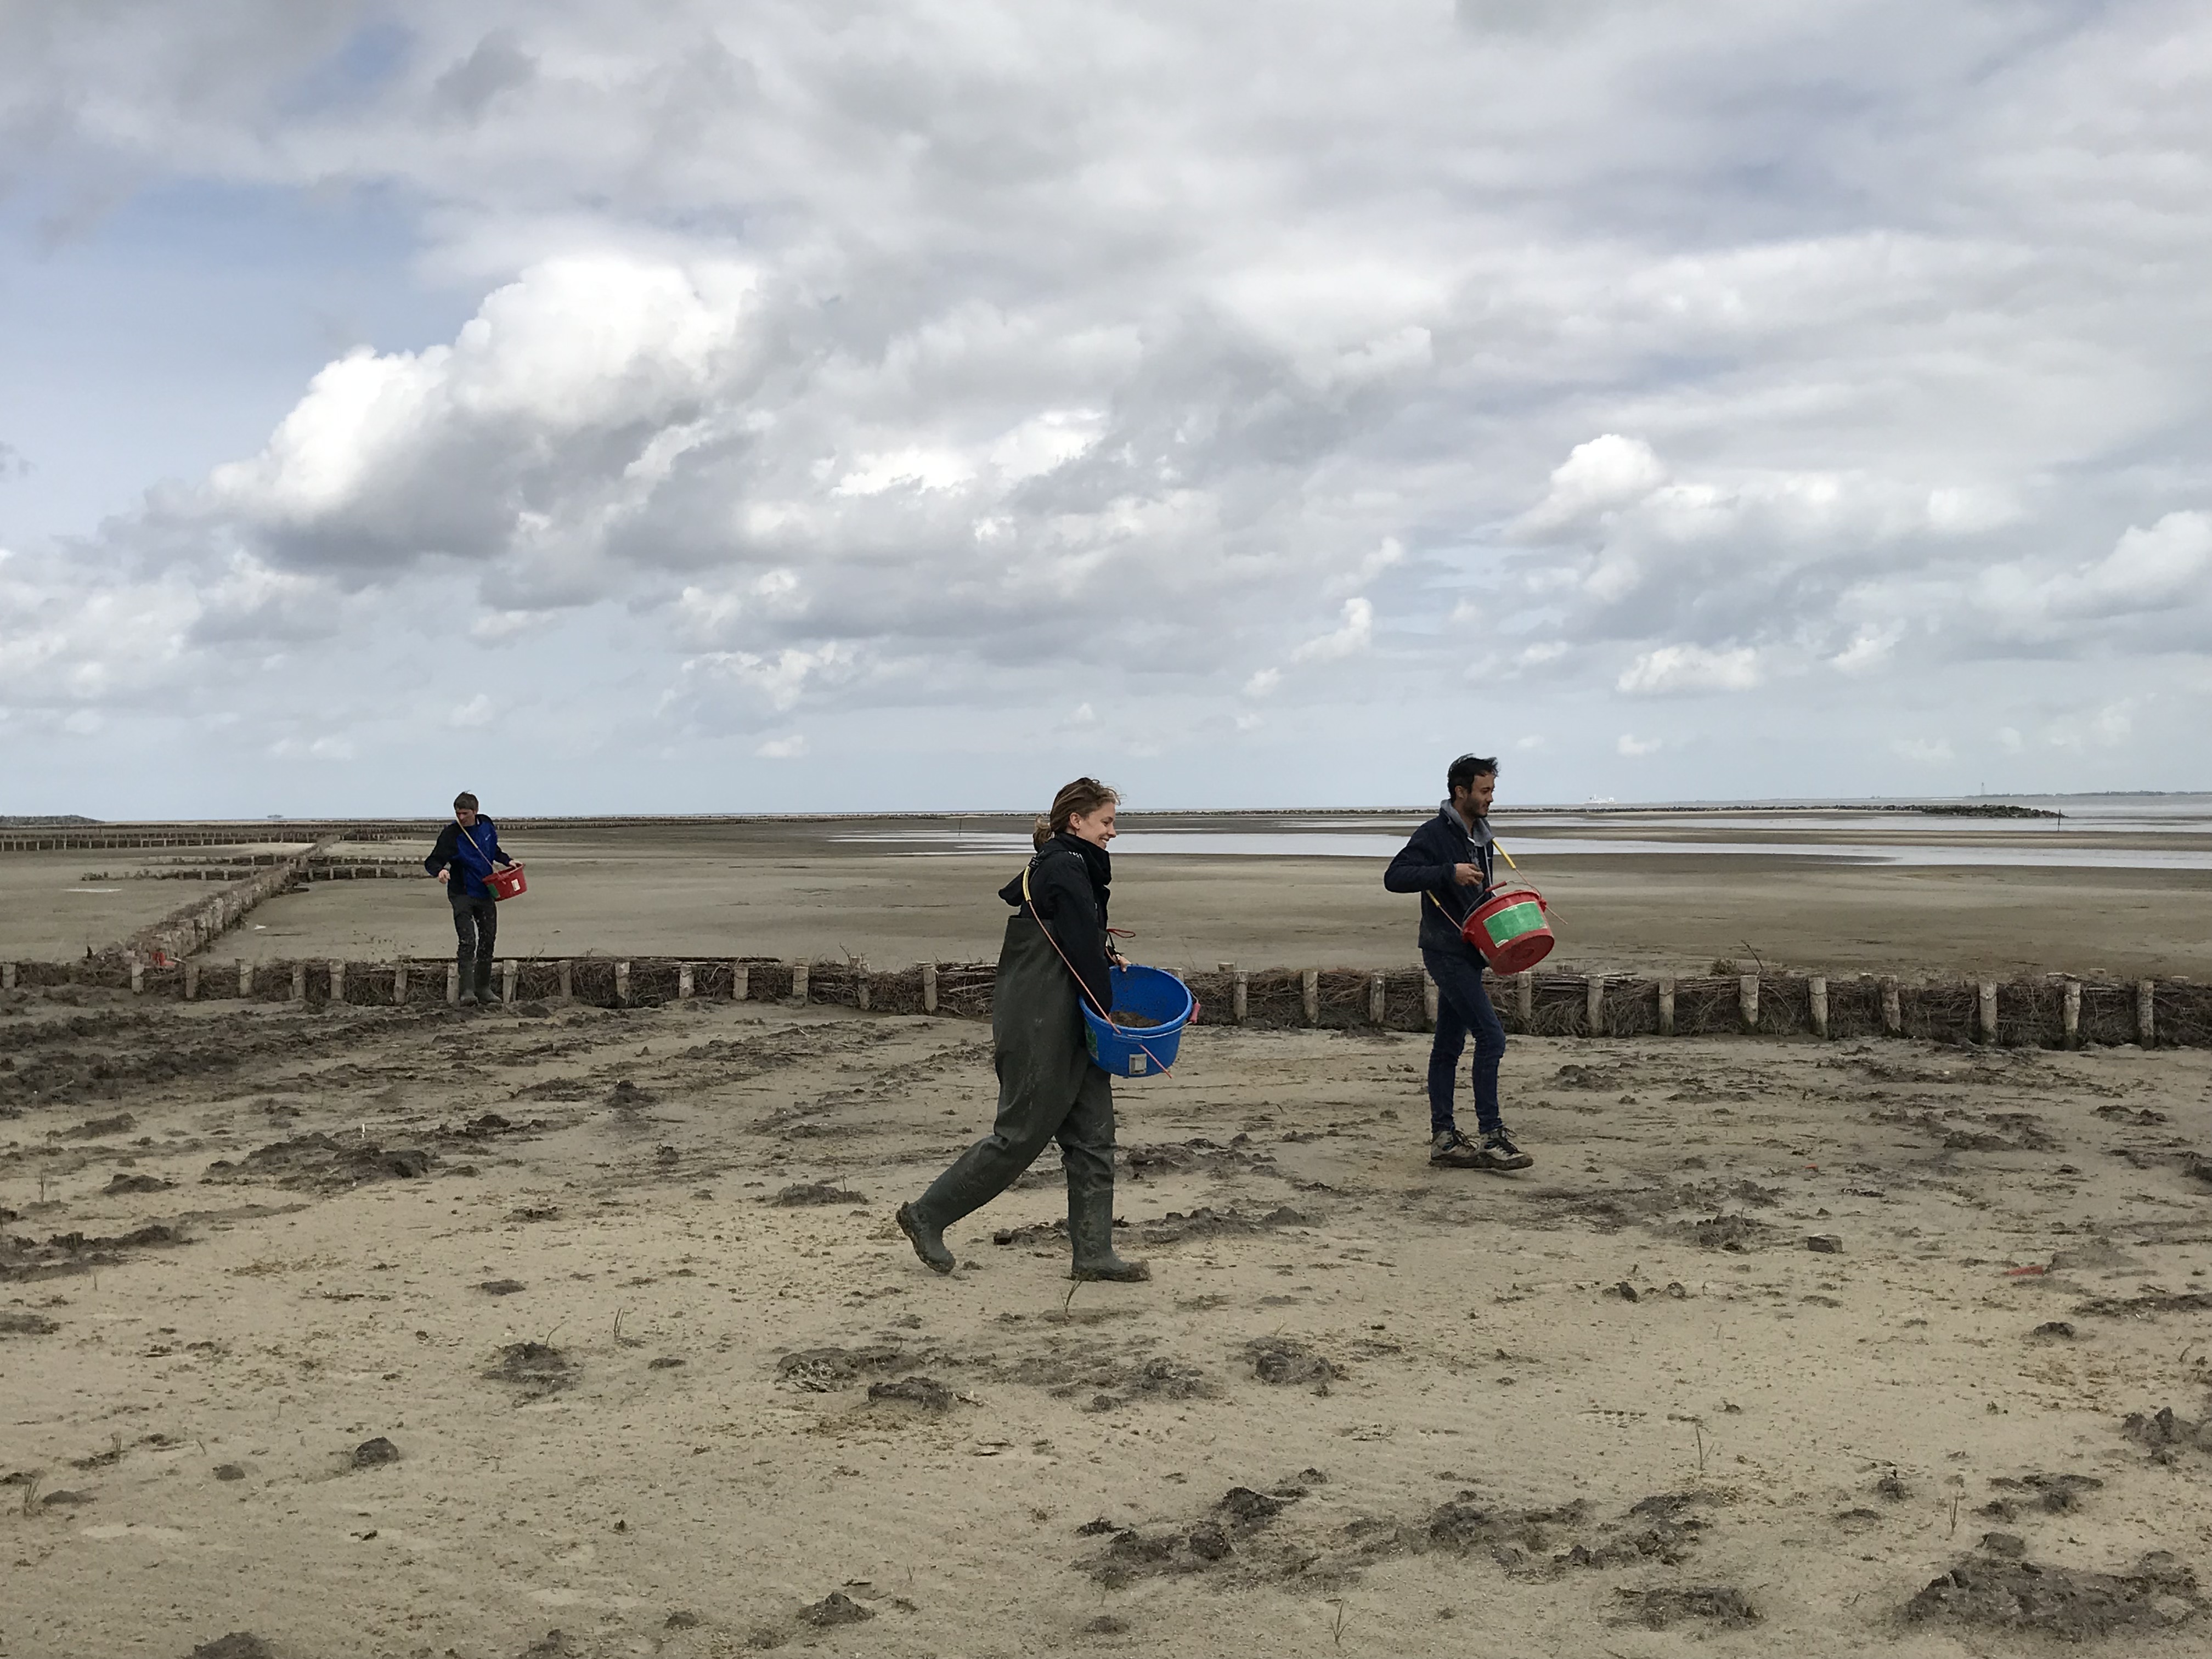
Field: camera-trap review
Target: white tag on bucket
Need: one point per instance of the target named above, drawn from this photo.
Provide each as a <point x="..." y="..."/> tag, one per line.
<point x="1136" y="1065"/>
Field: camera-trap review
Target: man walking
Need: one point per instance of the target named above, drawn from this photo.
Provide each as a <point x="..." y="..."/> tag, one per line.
<point x="1448" y="863"/>
<point x="467" y="852"/>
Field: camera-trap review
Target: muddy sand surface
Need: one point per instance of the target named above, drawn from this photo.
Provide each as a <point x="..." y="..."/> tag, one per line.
<point x="403" y="1333"/>
<point x="800" y="892"/>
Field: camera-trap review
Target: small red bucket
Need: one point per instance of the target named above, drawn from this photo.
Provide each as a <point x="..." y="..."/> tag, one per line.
<point x="509" y="882"/>
<point x="1511" y="930"/>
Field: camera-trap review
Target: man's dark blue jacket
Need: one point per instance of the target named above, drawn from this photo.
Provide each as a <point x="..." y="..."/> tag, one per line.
<point x="1424" y="866"/>
<point x="471" y="852"/>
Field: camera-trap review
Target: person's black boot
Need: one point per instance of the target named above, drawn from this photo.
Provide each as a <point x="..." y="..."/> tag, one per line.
<point x="977" y="1176"/>
<point x="484" y="984"/>
<point x="926" y="1237"/>
<point x="467" y="999"/>
<point x="1091" y="1228"/>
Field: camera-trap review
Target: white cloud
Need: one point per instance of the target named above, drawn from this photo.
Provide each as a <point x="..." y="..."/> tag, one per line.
<point x="1689" y="668"/>
<point x="477" y="711"/>
<point x="1388" y="554"/>
<point x="1357" y="633"/>
<point x="1263" y="682"/>
<point x="1868" y="649"/>
<point x="1629" y="743"/>
<point x="1608" y="471"/>
<point x="790" y="748"/>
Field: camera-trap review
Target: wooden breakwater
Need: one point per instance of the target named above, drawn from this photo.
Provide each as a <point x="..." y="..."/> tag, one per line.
<point x="2055" y="1011"/>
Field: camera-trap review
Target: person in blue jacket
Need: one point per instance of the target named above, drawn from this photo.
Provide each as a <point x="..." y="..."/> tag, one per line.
<point x="466" y="854"/>
<point x="1449" y="862"/>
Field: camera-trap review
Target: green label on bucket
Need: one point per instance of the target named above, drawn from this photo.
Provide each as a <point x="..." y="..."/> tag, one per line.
<point x="1511" y="923"/>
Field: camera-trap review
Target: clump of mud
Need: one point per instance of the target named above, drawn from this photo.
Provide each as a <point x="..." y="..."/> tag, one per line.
<point x="21" y="1324"/>
<point x="2164" y="1431"/>
<point x="1280" y="1360"/>
<point x="924" y="1392"/>
<point x="239" y="1644"/>
<point x="75" y="1253"/>
<point x="318" y="1161"/>
<point x="2053" y="1494"/>
<point x="801" y="1194"/>
<point x="536" y="1368"/>
<point x="824" y="1370"/>
<point x="836" y="1608"/>
<point x="1206" y="1222"/>
<point x="1998" y="1588"/>
<point x="2151" y="1304"/>
<point x="1732" y="1232"/>
<point x="1721" y="1605"/>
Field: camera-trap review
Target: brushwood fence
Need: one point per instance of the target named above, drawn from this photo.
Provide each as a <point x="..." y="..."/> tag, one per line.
<point x="2050" y="1012"/>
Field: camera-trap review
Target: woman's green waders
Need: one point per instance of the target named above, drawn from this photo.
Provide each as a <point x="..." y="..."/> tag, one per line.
<point x="1048" y="1089"/>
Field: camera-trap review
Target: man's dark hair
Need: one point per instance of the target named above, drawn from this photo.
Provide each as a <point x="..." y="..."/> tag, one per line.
<point x="463" y="799"/>
<point x="1467" y="769"/>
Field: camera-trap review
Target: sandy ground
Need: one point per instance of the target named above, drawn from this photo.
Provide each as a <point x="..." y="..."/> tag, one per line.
<point x="54" y="906"/>
<point x="620" y="1292"/>
<point x="795" y="890"/>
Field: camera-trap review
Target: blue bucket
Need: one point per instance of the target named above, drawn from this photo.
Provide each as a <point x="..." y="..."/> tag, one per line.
<point x="1141" y="1050"/>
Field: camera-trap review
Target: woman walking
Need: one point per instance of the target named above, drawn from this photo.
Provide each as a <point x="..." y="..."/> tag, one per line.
<point x="1056" y="954"/>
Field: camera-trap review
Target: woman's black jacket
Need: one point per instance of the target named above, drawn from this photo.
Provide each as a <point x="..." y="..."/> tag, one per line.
<point x="1068" y="881"/>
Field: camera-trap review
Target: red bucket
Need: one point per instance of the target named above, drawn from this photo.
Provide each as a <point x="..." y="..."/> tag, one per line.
<point x="1511" y="930"/>
<point x="509" y="882"/>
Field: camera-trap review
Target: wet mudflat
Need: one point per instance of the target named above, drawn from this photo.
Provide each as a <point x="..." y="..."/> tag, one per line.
<point x="584" y="1332"/>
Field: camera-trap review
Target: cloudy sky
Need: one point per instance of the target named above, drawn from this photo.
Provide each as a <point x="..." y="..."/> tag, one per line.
<point x="741" y="406"/>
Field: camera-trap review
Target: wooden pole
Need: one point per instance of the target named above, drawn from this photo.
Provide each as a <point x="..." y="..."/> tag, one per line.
<point x="1892" y="1009"/>
<point x="741" y="982"/>
<point x="683" y="983"/>
<point x="1240" y="991"/>
<point x="138" y="977"/>
<point x="798" y="981"/>
<point x="7" y="976"/>
<point x="1986" y="999"/>
<point x="2147" y="1014"/>
<point x="2071" y="1015"/>
<point x="1594" y="1007"/>
<point x="337" y="982"/>
<point x="566" y="971"/>
<point x="860" y="999"/>
<point x="1524" y="999"/>
<point x="1378" y="999"/>
<point x="1819" y="988"/>
<point x="1309" y="994"/>
<point x="621" y="985"/>
<point x="299" y="981"/>
<point x="510" y="978"/>
<point x="928" y="988"/>
<point x="192" y="982"/>
<point x="1666" y="1007"/>
<point x="1746" y="998"/>
<point x="399" y="983"/>
<point x="452" y="983"/>
<point x="245" y="978"/>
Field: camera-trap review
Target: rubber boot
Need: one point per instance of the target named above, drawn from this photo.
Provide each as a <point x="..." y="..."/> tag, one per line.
<point x="467" y="997"/>
<point x="484" y="984"/>
<point x="1090" y="1227"/>
<point x="977" y="1176"/>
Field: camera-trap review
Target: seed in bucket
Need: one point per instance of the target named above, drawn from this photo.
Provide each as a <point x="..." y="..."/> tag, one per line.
<point x="1129" y="1019"/>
